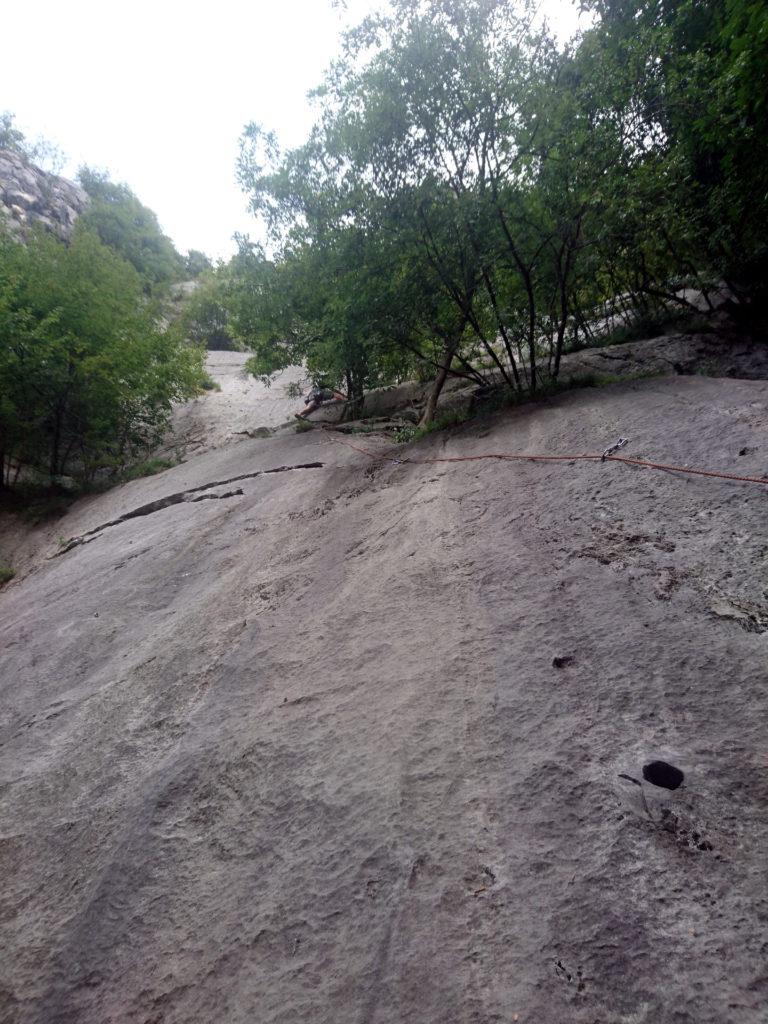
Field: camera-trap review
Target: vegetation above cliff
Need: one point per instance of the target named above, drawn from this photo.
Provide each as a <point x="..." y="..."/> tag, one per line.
<point x="471" y="194"/>
<point x="89" y="367"/>
<point x="131" y="229"/>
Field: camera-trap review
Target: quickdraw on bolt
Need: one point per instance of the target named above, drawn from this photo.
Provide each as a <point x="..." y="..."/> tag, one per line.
<point x="615" y="447"/>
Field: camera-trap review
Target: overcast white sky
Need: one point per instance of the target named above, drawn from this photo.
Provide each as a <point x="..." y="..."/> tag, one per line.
<point x="159" y="92"/>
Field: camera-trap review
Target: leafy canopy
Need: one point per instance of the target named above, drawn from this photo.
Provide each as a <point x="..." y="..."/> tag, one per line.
<point x="124" y="224"/>
<point x="473" y="196"/>
<point x="88" y="379"/>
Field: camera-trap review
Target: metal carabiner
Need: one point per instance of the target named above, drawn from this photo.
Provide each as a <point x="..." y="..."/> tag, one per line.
<point x="615" y="447"/>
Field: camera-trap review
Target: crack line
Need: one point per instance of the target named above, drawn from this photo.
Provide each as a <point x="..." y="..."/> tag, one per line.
<point x="177" y="499"/>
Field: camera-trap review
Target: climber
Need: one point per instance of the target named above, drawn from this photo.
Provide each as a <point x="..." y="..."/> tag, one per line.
<point x="315" y="397"/>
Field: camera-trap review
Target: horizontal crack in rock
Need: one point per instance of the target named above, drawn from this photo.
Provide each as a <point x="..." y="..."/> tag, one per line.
<point x="210" y="497"/>
<point x="177" y="499"/>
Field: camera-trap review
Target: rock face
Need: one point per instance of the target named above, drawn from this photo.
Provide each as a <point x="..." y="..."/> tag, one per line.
<point x="29" y="196"/>
<point x="363" y="742"/>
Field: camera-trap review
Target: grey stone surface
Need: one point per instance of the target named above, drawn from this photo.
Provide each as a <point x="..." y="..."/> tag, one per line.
<point x="30" y="196"/>
<point x="302" y="753"/>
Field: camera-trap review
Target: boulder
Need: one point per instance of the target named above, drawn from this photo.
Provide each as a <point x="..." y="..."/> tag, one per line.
<point x="29" y="196"/>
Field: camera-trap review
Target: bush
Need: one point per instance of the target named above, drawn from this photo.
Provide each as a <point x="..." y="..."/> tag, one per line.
<point x="207" y="383"/>
<point x="441" y="422"/>
<point x="204" y="317"/>
<point x="88" y="378"/>
<point x="148" y="468"/>
<point x="130" y="229"/>
<point x="6" y="574"/>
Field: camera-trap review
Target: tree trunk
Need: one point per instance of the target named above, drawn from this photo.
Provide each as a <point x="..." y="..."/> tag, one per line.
<point x="561" y="324"/>
<point x="355" y="397"/>
<point x="55" y="445"/>
<point x="531" y="331"/>
<point x="437" y="386"/>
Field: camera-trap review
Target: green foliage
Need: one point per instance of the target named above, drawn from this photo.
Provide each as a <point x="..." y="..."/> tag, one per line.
<point x="689" y="86"/>
<point x="648" y="325"/>
<point x="6" y="574"/>
<point x="36" y="502"/>
<point x="586" y="379"/>
<point x="442" y="421"/>
<point x="300" y="310"/>
<point x="88" y="379"/>
<point x="11" y="137"/>
<point x="207" y="383"/>
<point x="470" y="192"/>
<point x="131" y="229"/>
<point x="42" y="152"/>
<point x="205" y="319"/>
<point x="196" y="262"/>
<point x="149" y="467"/>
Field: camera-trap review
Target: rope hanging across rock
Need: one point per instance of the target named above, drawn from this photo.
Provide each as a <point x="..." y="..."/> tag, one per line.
<point x="604" y="457"/>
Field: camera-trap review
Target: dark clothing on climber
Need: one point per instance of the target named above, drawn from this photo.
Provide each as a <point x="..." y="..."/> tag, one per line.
<point x="315" y="398"/>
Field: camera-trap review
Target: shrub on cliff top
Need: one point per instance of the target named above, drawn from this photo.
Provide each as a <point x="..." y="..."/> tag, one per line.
<point x="124" y="224"/>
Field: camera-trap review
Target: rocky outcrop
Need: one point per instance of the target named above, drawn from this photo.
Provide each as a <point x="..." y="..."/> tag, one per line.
<point x="385" y="742"/>
<point x="29" y="196"/>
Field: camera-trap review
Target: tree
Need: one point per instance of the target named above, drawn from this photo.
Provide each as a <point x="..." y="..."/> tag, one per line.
<point x="196" y="263"/>
<point x="690" y="89"/>
<point x="88" y="379"/>
<point x="204" y="317"/>
<point x="131" y="229"/>
<point x="11" y="137"/>
<point x="436" y="130"/>
<point x="307" y="305"/>
<point x="42" y="152"/>
<point x="473" y="194"/>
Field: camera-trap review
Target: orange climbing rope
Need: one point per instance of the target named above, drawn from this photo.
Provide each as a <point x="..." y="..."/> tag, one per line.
<point x="506" y="456"/>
